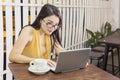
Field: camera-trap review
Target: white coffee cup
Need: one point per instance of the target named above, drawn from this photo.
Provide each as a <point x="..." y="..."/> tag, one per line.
<point x="38" y="64"/>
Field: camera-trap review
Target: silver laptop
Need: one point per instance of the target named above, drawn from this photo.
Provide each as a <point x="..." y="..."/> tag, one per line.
<point x="71" y="60"/>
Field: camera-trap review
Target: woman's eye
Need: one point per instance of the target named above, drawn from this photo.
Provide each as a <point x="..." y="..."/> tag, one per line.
<point x="48" y="23"/>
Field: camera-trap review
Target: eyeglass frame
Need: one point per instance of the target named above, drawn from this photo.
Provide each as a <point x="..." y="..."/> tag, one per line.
<point x="49" y="25"/>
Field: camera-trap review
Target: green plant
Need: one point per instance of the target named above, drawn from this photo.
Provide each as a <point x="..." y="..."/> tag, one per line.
<point x="95" y="36"/>
<point x="107" y="29"/>
<point x="118" y="29"/>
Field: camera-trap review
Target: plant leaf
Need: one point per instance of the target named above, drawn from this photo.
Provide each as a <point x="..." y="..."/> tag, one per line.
<point x="90" y="33"/>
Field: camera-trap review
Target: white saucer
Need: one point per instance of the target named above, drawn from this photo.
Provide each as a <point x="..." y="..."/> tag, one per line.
<point x="39" y="72"/>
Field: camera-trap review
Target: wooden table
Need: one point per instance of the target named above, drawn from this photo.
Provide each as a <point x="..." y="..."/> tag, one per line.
<point x="20" y="72"/>
<point x="111" y="42"/>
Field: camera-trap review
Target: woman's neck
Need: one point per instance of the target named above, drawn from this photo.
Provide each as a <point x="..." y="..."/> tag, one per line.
<point x="41" y="32"/>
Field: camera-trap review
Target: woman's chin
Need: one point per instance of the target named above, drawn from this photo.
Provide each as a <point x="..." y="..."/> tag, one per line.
<point x="49" y="33"/>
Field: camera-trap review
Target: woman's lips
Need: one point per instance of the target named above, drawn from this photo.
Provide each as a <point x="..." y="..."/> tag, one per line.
<point x="50" y="31"/>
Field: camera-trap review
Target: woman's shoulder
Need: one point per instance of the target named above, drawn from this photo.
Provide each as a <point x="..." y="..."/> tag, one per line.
<point x="27" y="33"/>
<point x="28" y="30"/>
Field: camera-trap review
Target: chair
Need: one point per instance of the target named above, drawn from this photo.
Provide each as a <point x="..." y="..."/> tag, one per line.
<point x="97" y="53"/>
<point x="112" y="58"/>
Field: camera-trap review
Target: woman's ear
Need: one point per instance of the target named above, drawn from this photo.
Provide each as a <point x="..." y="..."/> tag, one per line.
<point x="40" y="21"/>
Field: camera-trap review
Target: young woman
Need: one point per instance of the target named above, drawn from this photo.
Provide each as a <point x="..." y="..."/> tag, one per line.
<point x="38" y="39"/>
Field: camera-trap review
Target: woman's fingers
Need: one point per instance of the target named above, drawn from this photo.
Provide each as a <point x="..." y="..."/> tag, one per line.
<point x="51" y="63"/>
<point x="87" y="64"/>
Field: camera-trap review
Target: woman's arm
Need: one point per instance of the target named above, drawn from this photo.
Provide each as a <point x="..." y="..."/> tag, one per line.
<point x="24" y="39"/>
<point x="58" y="48"/>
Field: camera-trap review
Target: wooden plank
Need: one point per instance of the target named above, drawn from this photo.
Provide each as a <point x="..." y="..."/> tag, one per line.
<point x="9" y="40"/>
<point x="4" y="33"/>
<point x="91" y="72"/>
<point x="58" y="3"/>
<point x="74" y="26"/>
<point x="32" y="11"/>
<point x="25" y="13"/>
<point x="39" y="7"/>
<point x="63" y="24"/>
<point x="81" y="25"/>
<point x="50" y="1"/>
<point x="77" y="22"/>
<point x="45" y="1"/>
<point x="2" y="43"/>
<point x="71" y="24"/>
<point x="84" y="34"/>
<point x="67" y="26"/>
<point x="17" y="20"/>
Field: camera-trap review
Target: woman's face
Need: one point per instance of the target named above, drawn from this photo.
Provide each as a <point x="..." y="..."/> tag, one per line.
<point x="49" y="24"/>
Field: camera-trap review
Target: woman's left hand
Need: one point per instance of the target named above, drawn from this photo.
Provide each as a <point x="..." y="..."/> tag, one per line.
<point x="86" y="64"/>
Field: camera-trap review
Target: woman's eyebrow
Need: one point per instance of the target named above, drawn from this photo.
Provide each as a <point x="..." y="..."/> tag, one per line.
<point x="52" y="22"/>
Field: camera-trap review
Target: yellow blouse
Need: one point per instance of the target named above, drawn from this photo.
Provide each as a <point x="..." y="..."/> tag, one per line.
<point x="34" y="49"/>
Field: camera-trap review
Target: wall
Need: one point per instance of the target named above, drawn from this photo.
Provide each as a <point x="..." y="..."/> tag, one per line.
<point x="115" y="4"/>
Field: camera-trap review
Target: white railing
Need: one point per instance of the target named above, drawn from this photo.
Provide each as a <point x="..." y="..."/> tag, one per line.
<point x="77" y="16"/>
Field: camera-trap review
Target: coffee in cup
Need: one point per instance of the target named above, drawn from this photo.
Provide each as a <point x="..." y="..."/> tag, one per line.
<point x="38" y="64"/>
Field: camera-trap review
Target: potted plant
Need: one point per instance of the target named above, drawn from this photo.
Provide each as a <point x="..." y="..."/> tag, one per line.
<point x="95" y="36"/>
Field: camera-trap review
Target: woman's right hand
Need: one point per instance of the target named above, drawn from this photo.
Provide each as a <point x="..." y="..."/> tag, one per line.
<point x="51" y="63"/>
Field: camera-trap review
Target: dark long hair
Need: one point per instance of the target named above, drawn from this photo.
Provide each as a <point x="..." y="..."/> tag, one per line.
<point x="48" y="10"/>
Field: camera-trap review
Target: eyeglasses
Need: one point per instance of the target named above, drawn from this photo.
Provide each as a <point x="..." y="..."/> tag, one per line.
<point x="50" y="25"/>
